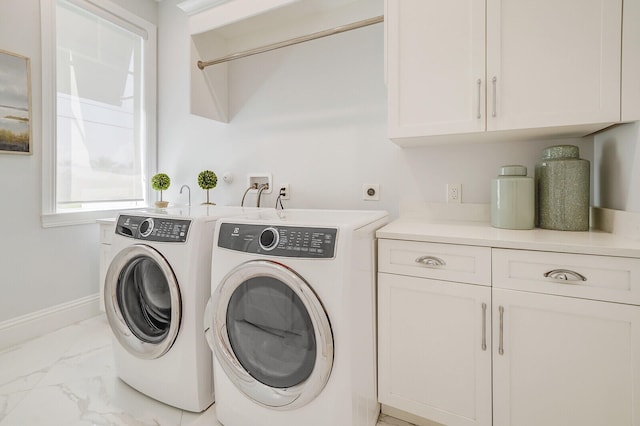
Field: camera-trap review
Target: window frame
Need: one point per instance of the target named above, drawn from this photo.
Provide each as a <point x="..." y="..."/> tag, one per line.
<point x="122" y="17"/>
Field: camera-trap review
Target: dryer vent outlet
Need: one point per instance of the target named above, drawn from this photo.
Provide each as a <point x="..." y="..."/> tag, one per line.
<point x="371" y="192"/>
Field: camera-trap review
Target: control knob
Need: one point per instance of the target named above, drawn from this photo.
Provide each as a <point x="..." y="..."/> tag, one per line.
<point x="269" y="238"/>
<point x="146" y="227"/>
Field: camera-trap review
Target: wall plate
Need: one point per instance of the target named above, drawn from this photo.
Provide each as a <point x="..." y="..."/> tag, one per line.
<point x="261" y="179"/>
<point x="371" y="192"/>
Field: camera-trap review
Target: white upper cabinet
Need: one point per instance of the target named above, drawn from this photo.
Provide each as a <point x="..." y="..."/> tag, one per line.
<point x="555" y="63"/>
<point x="436" y="67"/>
<point x="548" y="68"/>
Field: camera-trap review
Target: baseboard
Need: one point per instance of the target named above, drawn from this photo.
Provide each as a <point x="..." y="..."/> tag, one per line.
<point x="35" y="324"/>
<point x="407" y="417"/>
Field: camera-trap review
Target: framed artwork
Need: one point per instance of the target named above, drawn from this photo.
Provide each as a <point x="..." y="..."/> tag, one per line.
<point x="15" y="104"/>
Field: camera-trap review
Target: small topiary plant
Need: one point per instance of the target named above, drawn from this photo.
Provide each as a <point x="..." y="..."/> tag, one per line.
<point x="207" y="180"/>
<point x="160" y="182"/>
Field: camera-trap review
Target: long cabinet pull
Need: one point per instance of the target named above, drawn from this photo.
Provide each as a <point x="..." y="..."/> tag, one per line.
<point x="565" y="275"/>
<point x="484" y="326"/>
<point x="494" y="80"/>
<point x="430" y="261"/>
<point x="501" y="341"/>
<point x="479" y="82"/>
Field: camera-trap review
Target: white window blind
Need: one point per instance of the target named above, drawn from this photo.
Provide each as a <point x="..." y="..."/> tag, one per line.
<point x="104" y="144"/>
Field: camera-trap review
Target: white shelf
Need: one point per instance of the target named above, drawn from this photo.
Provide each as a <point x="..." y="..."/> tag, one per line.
<point x="219" y="28"/>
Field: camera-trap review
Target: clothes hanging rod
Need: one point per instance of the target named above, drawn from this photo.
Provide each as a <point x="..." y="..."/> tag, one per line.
<point x="337" y="30"/>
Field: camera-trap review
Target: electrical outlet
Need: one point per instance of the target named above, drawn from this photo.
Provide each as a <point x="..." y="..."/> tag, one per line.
<point x="454" y="193"/>
<point x="371" y="192"/>
<point x="285" y="191"/>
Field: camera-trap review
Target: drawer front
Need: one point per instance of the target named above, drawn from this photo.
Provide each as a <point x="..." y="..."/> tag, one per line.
<point x="448" y="262"/>
<point x="615" y="279"/>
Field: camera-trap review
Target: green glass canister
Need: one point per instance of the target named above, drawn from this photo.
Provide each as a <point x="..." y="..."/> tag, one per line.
<point x="512" y="199"/>
<point x="562" y="189"/>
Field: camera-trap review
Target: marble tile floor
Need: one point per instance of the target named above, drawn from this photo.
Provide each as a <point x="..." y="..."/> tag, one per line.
<point x="67" y="378"/>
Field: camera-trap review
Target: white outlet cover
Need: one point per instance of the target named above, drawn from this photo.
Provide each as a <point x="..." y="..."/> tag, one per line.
<point x="454" y="193"/>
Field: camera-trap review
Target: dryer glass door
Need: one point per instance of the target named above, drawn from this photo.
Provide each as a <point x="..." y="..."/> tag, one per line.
<point x="272" y="335"/>
<point x="142" y="301"/>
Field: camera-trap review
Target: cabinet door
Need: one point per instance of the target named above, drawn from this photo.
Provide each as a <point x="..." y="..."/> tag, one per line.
<point x="105" y="260"/>
<point x="555" y="63"/>
<point x="435" y="349"/>
<point x="107" y="230"/>
<point x="436" y="67"/>
<point x="564" y="361"/>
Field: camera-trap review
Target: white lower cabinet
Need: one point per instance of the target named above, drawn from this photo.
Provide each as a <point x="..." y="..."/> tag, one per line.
<point x="107" y="229"/>
<point x="434" y="330"/>
<point x="551" y="339"/>
<point x="435" y="349"/>
<point x="560" y="361"/>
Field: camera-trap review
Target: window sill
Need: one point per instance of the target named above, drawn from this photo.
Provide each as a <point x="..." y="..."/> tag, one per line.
<point x="51" y="220"/>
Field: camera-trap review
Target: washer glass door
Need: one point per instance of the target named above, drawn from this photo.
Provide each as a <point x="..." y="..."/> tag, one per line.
<point x="142" y="301"/>
<point x="272" y="335"/>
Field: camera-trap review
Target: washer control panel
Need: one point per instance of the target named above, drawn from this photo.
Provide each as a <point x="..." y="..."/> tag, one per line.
<point x="153" y="228"/>
<point x="284" y="241"/>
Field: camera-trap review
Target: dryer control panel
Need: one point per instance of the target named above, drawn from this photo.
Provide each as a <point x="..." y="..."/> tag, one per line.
<point x="284" y="241"/>
<point x="153" y="228"/>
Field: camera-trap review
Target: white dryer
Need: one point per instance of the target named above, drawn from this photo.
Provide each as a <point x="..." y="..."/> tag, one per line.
<point x="155" y="292"/>
<point x="292" y="317"/>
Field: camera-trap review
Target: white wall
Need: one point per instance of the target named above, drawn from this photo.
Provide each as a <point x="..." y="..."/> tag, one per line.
<point x="314" y="115"/>
<point x="39" y="268"/>
<point x="617" y="170"/>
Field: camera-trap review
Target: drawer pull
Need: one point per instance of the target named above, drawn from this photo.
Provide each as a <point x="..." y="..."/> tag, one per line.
<point x="565" y="275"/>
<point x="430" y="261"/>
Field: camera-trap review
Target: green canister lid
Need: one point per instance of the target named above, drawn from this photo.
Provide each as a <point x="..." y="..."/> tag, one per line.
<point x="560" y="151"/>
<point x="513" y="171"/>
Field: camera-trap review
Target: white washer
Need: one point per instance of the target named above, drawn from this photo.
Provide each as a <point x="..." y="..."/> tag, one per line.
<point x="155" y="293"/>
<point x="291" y="318"/>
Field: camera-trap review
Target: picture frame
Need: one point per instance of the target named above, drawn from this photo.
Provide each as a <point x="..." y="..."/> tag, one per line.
<point x="15" y="104"/>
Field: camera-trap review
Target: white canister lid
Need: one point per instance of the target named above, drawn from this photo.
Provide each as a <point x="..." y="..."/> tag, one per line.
<point x="514" y="170"/>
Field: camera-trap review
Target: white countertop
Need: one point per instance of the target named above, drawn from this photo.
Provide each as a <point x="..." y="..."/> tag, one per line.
<point x="483" y="234"/>
<point x="107" y="221"/>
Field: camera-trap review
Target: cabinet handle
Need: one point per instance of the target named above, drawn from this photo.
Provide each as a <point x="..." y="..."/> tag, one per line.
<point x="430" y="261"/>
<point x="484" y="326"/>
<point x="501" y="341"/>
<point x="479" y="82"/>
<point x="494" y="80"/>
<point x="565" y="275"/>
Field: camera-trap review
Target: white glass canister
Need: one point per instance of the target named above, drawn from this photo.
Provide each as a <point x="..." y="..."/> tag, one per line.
<point x="513" y="199"/>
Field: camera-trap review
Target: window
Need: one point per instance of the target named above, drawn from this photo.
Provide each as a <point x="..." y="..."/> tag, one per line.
<point x="99" y="76"/>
